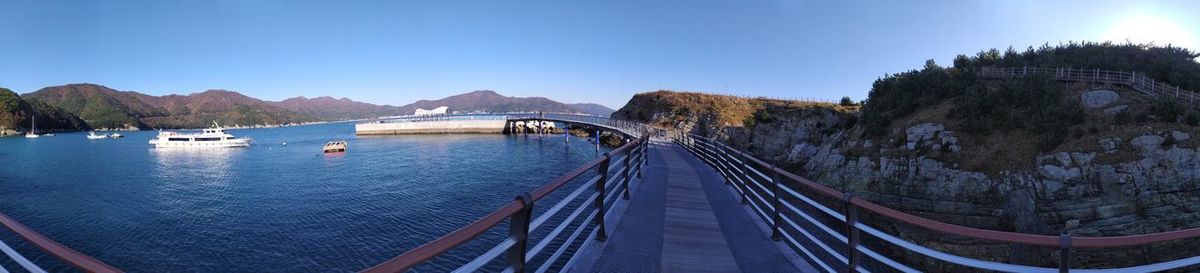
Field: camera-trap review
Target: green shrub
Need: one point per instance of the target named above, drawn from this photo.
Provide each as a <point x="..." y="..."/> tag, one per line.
<point x="1193" y="118"/>
<point x="1034" y="103"/>
<point x="896" y="96"/>
<point x="1167" y="109"/>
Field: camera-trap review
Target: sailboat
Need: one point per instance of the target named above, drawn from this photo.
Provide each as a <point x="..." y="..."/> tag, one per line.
<point x="32" y="129"/>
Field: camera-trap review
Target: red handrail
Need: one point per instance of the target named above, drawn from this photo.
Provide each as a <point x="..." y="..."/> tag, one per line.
<point x="445" y="243"/>
<point x="986" y="234"/>
<point x="441" y="245"/>
<point x="66" y="254"/>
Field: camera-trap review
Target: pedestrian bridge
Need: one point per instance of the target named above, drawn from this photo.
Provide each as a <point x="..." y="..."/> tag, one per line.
<point x="666" y="201"/>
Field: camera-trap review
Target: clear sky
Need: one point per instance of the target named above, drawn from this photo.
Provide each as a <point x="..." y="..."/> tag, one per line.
<point x="395" y="52"/>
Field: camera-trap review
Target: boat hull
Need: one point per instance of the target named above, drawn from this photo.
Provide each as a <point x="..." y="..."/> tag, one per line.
<point x="232" y="143"/>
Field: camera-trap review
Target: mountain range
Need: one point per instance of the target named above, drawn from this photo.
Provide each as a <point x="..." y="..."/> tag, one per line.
<point x="92" y="106"/>
<point x="490" y="101"/>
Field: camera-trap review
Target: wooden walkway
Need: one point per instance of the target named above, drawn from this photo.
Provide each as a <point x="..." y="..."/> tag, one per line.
<point x="683" y="218"/>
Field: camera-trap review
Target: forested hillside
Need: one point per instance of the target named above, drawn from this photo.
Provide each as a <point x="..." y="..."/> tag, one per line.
<point x="17" y="113"/>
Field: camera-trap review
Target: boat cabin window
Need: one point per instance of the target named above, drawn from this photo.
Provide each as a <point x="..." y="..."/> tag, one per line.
<point x="177" y="139"/>
<point x="208" y="139"/>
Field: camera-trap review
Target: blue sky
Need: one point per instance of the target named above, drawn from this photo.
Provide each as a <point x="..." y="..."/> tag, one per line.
<point x="396" y="52"/>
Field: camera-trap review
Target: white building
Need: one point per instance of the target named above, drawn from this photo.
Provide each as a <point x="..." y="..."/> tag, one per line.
<point x="436" y="111"/>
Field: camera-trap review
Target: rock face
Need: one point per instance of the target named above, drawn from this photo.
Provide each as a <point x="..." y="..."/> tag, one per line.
<point x="933" y="135"/>
<point x="1111" y="185"/>
<point x="1064" y="191"/>
<point x="1098" y="98"/>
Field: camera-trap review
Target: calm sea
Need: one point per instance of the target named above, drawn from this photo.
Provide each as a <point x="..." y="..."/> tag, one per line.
<point x="270" y="207"/>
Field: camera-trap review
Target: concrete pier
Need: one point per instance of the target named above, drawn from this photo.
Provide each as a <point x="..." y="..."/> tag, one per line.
<point x="457" y="127"/>
<point x="433" y="127"/>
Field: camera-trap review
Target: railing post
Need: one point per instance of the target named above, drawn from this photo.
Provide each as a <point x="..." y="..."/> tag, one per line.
<point x="851" y="233"/>
<point x="745" y="174"/>
<point x="625" y="172"/>
<point x="732" y="174"/>
<point x="518" y="227"/>
<point x="776" y="234"/>
<point x="600" y="234"/>
<point x="1064" y="252"/>
<point x="644" y="155"/>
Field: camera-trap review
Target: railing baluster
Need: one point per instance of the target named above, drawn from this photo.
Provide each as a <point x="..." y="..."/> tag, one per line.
<point x="642" y="155"/>
<point x="625" y="173"/>
<point x="600" y="234"/>
<point x="744" y="177"/>
<point x="518" y="227"/>
<point x="775" y="182"/>
<point x="1064" y="252"/>
<point x="851" y="233"/>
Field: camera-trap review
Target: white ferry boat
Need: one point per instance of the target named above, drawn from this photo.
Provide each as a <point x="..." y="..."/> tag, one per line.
<point x="208" y="138"/>
<point x="93" y="135"/>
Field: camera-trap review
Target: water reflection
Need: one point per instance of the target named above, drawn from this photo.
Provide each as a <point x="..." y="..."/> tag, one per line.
<point x="203" y="163"/>
<point x="193" y="182"/>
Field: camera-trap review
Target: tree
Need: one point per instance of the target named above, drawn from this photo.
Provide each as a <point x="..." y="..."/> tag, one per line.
<point x="846" y="101"/>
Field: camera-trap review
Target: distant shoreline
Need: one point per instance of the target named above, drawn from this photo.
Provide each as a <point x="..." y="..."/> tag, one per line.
<point x="10" y="133"/>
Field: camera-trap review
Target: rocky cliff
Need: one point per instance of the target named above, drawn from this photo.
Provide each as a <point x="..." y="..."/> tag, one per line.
<point x="1122" y="171"/>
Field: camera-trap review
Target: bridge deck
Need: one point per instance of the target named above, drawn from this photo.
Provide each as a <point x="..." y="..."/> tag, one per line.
<point x="683" y="218"/>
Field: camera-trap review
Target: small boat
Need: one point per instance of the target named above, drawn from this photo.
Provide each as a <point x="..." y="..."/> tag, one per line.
<point x="93" y="135"/>
<point x="207" y="138"/>
<point x="115" y="135"/>
<point x="334" y="147"/>
<point x="33" y="128"/>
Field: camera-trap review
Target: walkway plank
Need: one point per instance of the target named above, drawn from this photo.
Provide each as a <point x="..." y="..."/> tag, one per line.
<point x="692" y="240"/>
<point x="682" y="218"/>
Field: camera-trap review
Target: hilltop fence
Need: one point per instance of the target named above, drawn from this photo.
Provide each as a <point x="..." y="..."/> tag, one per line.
<point x="1132" y="79"/>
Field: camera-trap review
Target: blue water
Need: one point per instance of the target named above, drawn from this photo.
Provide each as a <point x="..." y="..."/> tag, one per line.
<point x="267" y="208"/>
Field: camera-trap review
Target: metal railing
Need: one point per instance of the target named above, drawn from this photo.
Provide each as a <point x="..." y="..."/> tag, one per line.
<point x="1133" y="79"/>
<point x="63" y="253"/>
<point x="613" y="173"/>
<point x="778" y="196"/>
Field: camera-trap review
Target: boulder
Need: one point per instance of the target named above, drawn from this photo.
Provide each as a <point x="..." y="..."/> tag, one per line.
<point x="922" y="132"/>
<point x="1180" y="136"/>
<point x="1098" y="98"/>
<point x="1147" y="143"/>
<point x="1110" y="145"/>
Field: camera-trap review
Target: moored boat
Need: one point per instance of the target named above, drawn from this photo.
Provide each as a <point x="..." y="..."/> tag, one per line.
<point x="32" y="128"/>
<point x="208" y="138"/>
<point x="93" y="135"/>
<point x="334" y="147"/>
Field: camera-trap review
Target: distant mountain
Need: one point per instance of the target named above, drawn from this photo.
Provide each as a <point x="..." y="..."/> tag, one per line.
<point x="15" y="114"/>
<point x="328" y="108"/>
<point x="79" y="106"/>
<point x="490" y="101"/>
<point x="593" y="109"/>
<point x="103" y="107"/>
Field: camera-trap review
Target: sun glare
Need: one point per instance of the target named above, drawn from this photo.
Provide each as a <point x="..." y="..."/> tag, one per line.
<point x="1151" y="29"/>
